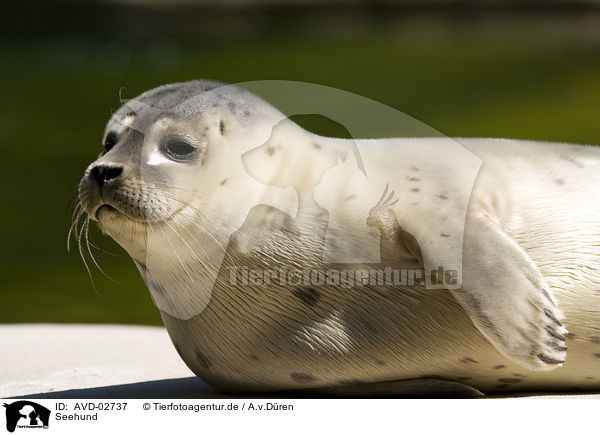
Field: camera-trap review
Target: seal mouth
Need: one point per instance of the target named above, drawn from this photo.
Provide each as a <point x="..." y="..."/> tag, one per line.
<point x="115" y="212"/>
<point x="106" y="207"/>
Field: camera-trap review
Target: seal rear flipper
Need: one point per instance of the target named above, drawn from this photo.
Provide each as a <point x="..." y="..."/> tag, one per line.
<point x="508" y="299"/>
<point x="420" y="387"/>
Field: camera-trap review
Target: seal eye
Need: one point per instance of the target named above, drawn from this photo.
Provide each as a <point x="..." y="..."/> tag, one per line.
<point x="179" y="149"/>
<point x="110" y="142"/>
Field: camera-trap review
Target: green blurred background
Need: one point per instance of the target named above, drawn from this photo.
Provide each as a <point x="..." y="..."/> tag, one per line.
<point x="516" y="70"/>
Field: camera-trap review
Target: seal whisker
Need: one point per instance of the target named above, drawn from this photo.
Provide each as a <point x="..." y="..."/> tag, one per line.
<point x="87" y="242"/>
<point x="200" y="244"/>
<point x="191" y="250"/>
<point x="82" y="254"/>
<point x="73" y="228"/>
<point x="78" y="212"/>
<point x="175" y="252"/>
<point x="166" y="186"/>
<point x="195" y="238"/>
<point x="163" y="195"/>
<point x="104" y="251"/>
<point x="195" y="223"/>
<point x="207" y="233"/>
<point x="122" y="227"/>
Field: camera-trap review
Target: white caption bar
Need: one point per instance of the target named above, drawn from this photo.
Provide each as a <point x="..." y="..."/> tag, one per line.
<point x="305" y="416"/>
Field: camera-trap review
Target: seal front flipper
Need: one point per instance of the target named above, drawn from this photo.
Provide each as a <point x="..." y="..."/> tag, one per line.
<point x="508" y="299"/>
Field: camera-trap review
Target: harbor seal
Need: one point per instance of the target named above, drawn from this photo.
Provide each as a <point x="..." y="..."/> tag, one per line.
<point x="284" y="260"/>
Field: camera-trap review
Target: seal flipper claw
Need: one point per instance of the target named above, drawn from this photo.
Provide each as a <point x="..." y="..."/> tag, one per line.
<point x="508" y="299"/>
<point x="551" y="317"/>
<point x="549" y="360"/>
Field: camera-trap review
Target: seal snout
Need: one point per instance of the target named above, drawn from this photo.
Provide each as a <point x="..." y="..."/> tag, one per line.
<point x="97" y="188"/>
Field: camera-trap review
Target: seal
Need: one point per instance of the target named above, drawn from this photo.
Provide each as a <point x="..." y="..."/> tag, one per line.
<point x="284" y="260"/>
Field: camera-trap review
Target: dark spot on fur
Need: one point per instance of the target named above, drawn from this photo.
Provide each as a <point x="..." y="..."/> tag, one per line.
<point x="349" y="197"/>
<point x="597" y="355"/>
<point x="499" y="366"/>
<point x="246" y="113"/>
<point x="510" y="380"/>
<point x="414" y="168"/>
<point x="415" y="189"/>
<point x="379" y="362"/>
<point x="441" y="196"/>
<point x="308" y="295"/>
<point x="270" y="150"/>
<point x="549" y="360"/>
<point x="415" y="203"/>
<point x="316" y="146"/>
<point x="156" y="287"/>
<point x="202" y="360"/>
<point x="589" y="377"/>
<point x="572" y="160"/>
<point x="223" y="182"/>
<point x="467" y="359"/>
<point x="254" y="357"/>
<point x="412" y="178"/>
<point x="594" y="339"/>
<point x="521" y="376"/>
<point x="444" y="235"/>
<point x="302" y="378"/>
<point x="559" y="181"/>
<point x="141" y="265"/>
<point x="222" y="128"/>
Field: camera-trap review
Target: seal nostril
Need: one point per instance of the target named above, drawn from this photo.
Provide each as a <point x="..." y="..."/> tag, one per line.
<point x="112" y="173"/>
<point x="103" y="174"/>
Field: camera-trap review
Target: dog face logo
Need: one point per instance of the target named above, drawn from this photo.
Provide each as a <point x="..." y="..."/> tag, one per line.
<point x="26" y="414"/>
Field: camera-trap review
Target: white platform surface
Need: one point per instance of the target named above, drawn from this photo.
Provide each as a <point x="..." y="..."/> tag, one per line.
<point x="77" y="360"/>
